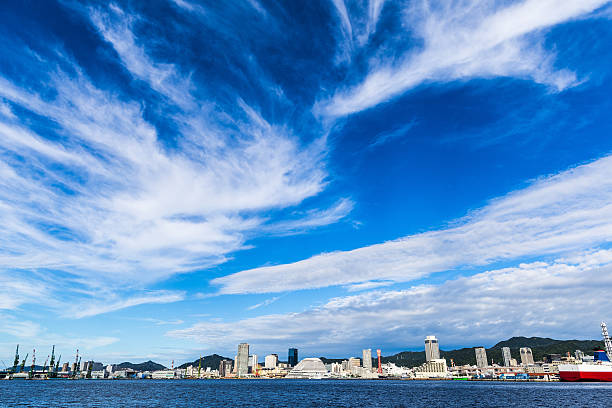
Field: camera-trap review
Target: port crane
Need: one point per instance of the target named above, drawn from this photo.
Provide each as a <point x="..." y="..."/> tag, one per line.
<point x="33" y="363"/>
<point x="23" y="363"/>
<point x="16" y="362"/>
<point x="58" y="364"/>
<point x="606" y="339"/>
<point x="52" y="362"/>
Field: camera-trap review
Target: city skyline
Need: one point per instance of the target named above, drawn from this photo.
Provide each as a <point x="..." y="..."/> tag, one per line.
<point x="335" y="176"/>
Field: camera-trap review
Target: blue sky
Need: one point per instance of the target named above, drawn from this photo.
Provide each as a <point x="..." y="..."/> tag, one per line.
<point x="177" y="177"/>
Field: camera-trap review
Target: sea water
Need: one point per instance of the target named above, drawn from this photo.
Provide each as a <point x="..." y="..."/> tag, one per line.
<point x="300" y="393"/>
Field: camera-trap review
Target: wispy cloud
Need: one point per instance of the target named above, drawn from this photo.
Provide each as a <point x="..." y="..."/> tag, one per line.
<point x="264" y="303"/>
<point x="568" y="211"/>
<point x="463" y="39"/>
<point x="107" y="306"/>
<point x="101" y="199"/>
<point x="391" y="135"/>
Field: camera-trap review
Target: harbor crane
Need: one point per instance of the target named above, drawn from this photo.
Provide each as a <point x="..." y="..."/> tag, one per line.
<point x="16" y="362"/>
<point x="58" y="364"/>
<point x="32" y="367"/>
<point x="23" y="363"/>
<point x="52" y="362"/>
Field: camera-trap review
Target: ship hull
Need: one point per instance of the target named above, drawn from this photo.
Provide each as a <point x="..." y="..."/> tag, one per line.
<point x="586" y="372"/>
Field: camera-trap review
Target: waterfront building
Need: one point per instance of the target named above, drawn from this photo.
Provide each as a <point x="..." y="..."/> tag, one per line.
<point x="65" y="367"/>
<point x="391" y="370"/>
<point x="513" y="362"/>
<point x="271" y="361"/>
<point x="242" y="360"/>
<point x="367" y="359"/>
<point x="481" y="357"/>
<point x="507" y="356"/>
<point x="526" y="356"/>
<point x="435" y="368"/>
<point x="312" y="368"/>
<point x="432" y="348"/>
<point x="292" y="358"/>
<point x="579" y="355"/>
<point x="158" y="375"/>
<point x="353" y="362"/>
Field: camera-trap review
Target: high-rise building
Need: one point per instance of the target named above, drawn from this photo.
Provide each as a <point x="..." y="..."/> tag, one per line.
<point x="225" y="368"/>
<point x="253" y="363"/>
<point x="481" y="357"/>
<point x="242" y="360"/>
<point x="432" y="348"/>
<point x="526" y="356"/>
<point x="353" y="362"/>
<point x="579" y="355"/>
<point x="292" y="359"/>
<point x="507" y="356"/>
<point x="271" y="361"/>
<point x="367" y="359"/>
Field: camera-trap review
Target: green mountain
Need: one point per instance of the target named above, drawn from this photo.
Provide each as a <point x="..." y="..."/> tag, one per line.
<point x="540" y="347"/>
<point x="146" y="366"/>
<point x="211" y="361"/>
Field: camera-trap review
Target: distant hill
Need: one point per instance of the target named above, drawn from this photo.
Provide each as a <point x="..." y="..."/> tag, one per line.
<point x="540" y="346"/>
<point x="211" y="361"/>
<point x="146" y="366"/>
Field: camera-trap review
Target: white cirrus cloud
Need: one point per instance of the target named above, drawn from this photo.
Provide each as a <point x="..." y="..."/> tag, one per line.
<point x="568" y="211"/>
<point x="463" y="39"/>
<point x="91" y="194"/>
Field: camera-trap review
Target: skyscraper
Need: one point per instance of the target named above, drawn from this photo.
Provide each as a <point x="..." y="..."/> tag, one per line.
<point x="242" y="360"/>
<point x="481" y="357"/>
<point x="507" y="356"/>
<point x="367" y="359"/>
<point x="292" y="359"/>
<point x="225" y="368"/>
<point x="271" y="361"/>
<point x="526" y="356"/>
<point x="432" y="349"/>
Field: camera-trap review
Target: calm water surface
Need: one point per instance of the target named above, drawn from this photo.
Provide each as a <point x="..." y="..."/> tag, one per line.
<point x="300" y="393"/>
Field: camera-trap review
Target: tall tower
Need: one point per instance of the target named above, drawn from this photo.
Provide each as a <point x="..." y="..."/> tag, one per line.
<point x="432" y="348"/>
<point x="379" y="366"/>
<point x="367" y="359"/>
<point x="507" y="356"/>
<point x="481" y="357"/>
<point x="606" y="339"/>
<point x="242" y="360"/>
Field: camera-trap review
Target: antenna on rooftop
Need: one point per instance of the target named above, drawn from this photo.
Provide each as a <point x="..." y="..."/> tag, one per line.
<point x="606" y="339"/>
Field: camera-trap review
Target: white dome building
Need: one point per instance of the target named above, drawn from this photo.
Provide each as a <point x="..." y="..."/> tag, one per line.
<point x="312" y="368"/>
